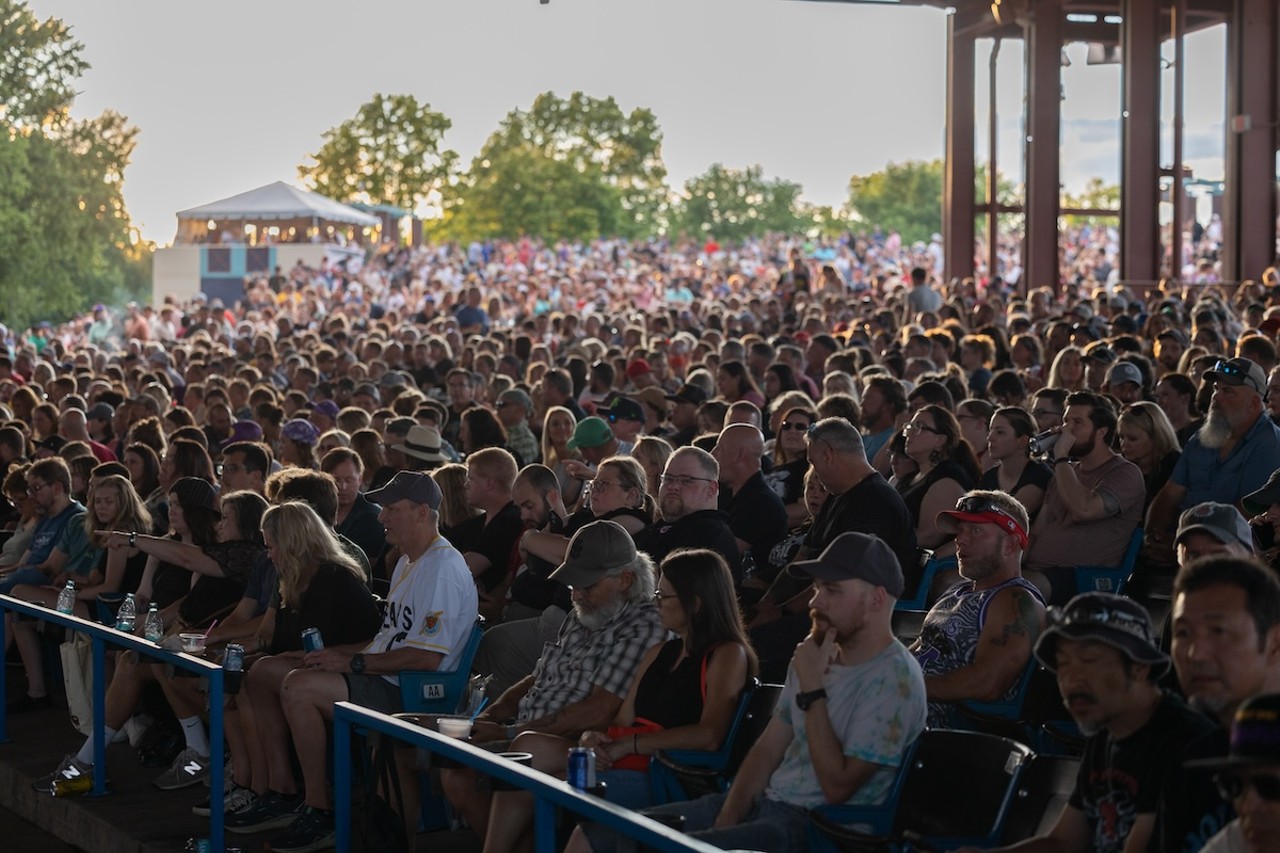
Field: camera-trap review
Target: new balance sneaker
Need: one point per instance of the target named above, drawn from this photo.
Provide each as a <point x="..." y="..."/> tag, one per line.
<point x="237" y="799"/>
<point x="270" y="811"/>
<point x="69" y="770"/>
<point x="189" y="768"/>
<point x="311" y="830"/>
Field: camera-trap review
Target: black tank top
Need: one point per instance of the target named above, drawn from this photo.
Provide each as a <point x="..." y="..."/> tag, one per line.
<point x="671" y="697"/>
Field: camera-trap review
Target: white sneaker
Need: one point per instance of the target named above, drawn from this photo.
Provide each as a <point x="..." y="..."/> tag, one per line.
<point x="189" y="768"/>
<point x="136" y="727"/>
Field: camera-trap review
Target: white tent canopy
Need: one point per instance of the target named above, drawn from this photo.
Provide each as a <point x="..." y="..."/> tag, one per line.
<point x="278" y="201"/>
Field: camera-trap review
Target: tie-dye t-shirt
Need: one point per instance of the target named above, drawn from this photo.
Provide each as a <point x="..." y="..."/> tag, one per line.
<point x="877" y="709"/>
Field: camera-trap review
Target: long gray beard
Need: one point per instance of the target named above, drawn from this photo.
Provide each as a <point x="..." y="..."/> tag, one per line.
<point x="1215" y="430"/>
<point x="594" y="620"/>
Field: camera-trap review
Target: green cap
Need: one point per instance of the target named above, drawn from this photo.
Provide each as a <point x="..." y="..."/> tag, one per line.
<point x="590" y="432"/>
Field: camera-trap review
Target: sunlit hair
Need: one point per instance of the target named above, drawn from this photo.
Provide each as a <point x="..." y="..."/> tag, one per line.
<point x="301" y="542"/>
<point x="249" y="508"/>
<point x="1055" y="371"/>
<point x="704" y="586"/>
<point x="131" y="513"/>
<point x="630" y="475"/>
<point x="1150" y="419"/>
<point x="549" y="456"/>
<point x="454" y="509"/>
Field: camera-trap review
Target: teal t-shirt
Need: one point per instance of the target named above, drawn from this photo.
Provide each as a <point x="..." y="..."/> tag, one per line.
<point x="82" y="555"/>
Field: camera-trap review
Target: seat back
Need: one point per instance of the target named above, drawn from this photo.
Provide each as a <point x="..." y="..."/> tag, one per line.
<point x="1110" y="578"/>
<point x="431" y="692"/>
<point x="755" y="717"/>
<point x="985" y="767"/>
<point x="920" y="600"/>
<point x="1004" y="709"/>
<point x="1043" y="791"/>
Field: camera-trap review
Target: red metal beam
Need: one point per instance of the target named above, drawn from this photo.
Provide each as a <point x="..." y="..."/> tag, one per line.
<point x="958" y="190"/>
<point x="1043" y="158"/>
<point x="1140" y="141"/>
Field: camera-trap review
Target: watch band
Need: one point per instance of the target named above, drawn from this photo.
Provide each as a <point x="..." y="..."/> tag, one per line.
<point x="357" y="664"/>
<point x="804" y="701"/>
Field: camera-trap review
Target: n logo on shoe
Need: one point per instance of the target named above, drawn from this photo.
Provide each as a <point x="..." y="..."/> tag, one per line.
<point x="71" y="772"/>
<point x="192" y="767"/>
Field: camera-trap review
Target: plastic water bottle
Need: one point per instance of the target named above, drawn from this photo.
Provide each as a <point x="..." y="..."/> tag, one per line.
<point x="127" y="615"/>
<point x="67" y="598"/>
<point x="154" y="630"/>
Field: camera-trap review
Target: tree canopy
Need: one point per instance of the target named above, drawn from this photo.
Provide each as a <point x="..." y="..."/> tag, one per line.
<point x="66" y="240"/>
<point x="389" y="153"/>
<point x="902" y="197"/>
<point x="733" y="204"/>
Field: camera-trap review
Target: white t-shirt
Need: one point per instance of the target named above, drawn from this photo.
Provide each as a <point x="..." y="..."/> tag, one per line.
<point x="432" y="606"/>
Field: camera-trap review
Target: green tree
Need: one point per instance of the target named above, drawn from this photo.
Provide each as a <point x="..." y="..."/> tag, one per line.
<point x="733" y="204"/>
<point x="389" y="153"/>
<point x="903" y="197"/>
<point x="617" y="158"/>
<point x="66" y="240"/>
<point x="1097" y="196"/>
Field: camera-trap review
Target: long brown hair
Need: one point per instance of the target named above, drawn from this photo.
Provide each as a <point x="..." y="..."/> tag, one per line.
<point x="704" y="585"/>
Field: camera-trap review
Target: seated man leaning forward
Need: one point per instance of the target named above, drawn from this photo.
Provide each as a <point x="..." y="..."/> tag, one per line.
<point x="854" y="701"/>
<point x="976" y="641"/>
<point x="582" y="679"/>
<point x="430" y="611"/>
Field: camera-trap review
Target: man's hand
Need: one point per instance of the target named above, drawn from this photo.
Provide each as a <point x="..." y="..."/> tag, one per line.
<point x="484" y="731"/>
<point x="1062" y="447"/>
<point x="328" y="660"/>
<point x="813" y="658"/>
<point x="579" y="470"/>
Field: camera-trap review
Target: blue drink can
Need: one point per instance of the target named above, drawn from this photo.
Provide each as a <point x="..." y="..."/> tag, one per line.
<point x="582" y="768"/>
<point x="234" y="659"/>
<point x="311" y="640"/>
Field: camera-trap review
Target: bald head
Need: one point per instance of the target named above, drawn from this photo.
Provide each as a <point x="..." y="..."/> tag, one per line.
<point x="72" y="425"/>
<point x="738" y="450"/>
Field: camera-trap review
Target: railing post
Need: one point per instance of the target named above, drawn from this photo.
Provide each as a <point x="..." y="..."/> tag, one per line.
<point x="217" y="767"/>
<point x="99" y="715"/>
<point x="342" y="780"/>
<point x="544" y="825"/>
<point x="4" y="686"/>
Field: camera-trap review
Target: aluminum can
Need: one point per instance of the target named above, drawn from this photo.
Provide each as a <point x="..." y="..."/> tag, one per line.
<point x="311" y="640"/>
<point x="234" y="660"/>
<point x="81" y="784"/>
<point x="582" y="768"/>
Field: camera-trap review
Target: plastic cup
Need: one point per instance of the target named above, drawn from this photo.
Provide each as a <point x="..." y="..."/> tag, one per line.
<point x="455" y="727"/>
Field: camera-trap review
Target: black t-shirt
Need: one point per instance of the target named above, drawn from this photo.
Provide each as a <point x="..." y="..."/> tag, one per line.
<point x="1034" y="474"/>
<point x="708" y="528"/>
<point x="362" y="527"/>
<point x="756" y="516"/>
<point x="212" y="597"/>
<point x="874" y="507"/>
<point x="338" y="603"/>
<point x="1122" y="779"/>
<point x="787" y="481"/>
<point x="492" y="538"/>
<point x="1190" y="811"/>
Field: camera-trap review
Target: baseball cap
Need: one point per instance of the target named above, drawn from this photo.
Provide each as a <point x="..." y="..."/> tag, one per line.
<point x="399" y="427"/>
<point x="855" y="556"/>
<point x="412" y="486"/>
<point x="1100" y="352"/>
<point x="1261" y="500"/>
<point x="303" y="432"/>
<point x="1120" y="622"/>
<point x="393" y="379"/>
<point x="1124" y="371"/>
<point x="195" y="493"/>
<point x="243" y="431"/>
<point x="689" y="394"/>
<point x="624" y="409"/>
<point x="517" y="396"/>
<point x="979" y="509"/>
<point x="369" y="389"/>
<point x="1239" y="371"/>
<point x="1255" y="736"/>
<point x="638" y="367"/>
<point x="654" y="398"/>
<point x="590" y="432"/>
<point x="328" y="408"/>
<point x="100" y="412"/>
<point x="1221" y="521"/>
<point x="1177" y="334"/>
<point x="595" y="550"/>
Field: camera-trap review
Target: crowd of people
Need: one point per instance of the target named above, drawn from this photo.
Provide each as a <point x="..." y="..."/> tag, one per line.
<point x="659" y="473"/>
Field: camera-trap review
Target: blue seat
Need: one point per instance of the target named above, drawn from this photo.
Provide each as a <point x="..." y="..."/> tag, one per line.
<point x="922" y="802"/>
<point x="682" y="774"/>
<point x="920" y="601"/>
<point x="431" y="692"/>
<point x="1110" y="578"/>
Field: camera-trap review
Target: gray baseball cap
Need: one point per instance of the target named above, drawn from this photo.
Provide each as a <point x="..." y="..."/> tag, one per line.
<point x="595" y="550"/>
<point x="1221" y="521"/>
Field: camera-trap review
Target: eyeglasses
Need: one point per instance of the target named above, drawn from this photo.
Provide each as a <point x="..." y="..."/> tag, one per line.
<point x="1233" y="785"/>
<point x="35" y="490"/>
<point x="791" y="425"/>
<point x="1045" y="413"/>
<point x="683" y="481"/>
<point x="660" y="596"/>
<point x="597" y="484"/>
<point x="917" y="426"/>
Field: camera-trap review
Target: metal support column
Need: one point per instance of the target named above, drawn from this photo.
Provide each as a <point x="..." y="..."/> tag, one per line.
<point x="1044" y="144"/>
<point x="1139" y="166"/>
<point x="958" y="192"/>
<point x="1249" y="216"/>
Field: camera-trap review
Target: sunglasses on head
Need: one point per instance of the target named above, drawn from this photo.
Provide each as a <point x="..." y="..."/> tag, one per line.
<point x="1232" y="785"/>
<point x="1227" y="369"/>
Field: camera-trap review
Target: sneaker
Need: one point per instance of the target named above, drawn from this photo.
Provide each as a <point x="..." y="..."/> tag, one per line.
<point x="136" y="728"/>
<point x="270" y="811"/>
<point x="69" y="769"/>
<point x="237" y="800"/>
<point x="311" y="830"/>
<point x="188" y="769"/>
<point x="228" y="773"/>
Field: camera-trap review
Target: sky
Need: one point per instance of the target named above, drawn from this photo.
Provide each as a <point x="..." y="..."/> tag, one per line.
<point x="233" y="95"/>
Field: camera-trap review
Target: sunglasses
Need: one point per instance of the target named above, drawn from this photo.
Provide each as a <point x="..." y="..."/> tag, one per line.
<point x="790" y="425"/>
<point x="1231" y="786"/>
<point x="1227" y="369"/>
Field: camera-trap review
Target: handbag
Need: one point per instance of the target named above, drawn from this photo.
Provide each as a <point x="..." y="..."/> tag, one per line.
<point x="77" y="677"/>
<point x="636" y="761"/>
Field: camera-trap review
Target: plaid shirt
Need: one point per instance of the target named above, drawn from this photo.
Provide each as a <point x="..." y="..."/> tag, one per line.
<point x="522" y="440"/>
<point x="581" y="659"/>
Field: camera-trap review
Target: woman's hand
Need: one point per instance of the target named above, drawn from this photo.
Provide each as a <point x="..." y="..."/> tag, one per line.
<point x="117" y="539"/>
<point x="594" y="740"/>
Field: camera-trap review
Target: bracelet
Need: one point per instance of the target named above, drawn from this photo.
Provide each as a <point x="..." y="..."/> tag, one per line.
<point x="133" y="538"/>
<point x="1062" y="459"/>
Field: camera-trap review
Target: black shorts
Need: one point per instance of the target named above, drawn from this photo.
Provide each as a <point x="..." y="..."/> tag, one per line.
<point x="374" y="692"/>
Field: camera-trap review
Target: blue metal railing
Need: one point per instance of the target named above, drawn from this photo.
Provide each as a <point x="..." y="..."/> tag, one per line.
<point x="101" y="635"/>
<point x="548" y="792"/>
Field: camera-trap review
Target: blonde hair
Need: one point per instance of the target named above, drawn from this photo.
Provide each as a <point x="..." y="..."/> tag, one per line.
<point x="452" y="480"/>
<point x="549" y="456"/>
<point x="300" y="543"/>
<point x="132" y="513"/>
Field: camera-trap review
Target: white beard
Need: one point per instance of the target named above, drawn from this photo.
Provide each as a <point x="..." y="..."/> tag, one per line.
<point x="1215" y="430"/>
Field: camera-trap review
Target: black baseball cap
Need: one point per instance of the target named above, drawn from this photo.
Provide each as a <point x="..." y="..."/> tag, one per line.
<point x="689" y="394"/>
<point x="408" y="486"/>
<point x="855" y="556"/>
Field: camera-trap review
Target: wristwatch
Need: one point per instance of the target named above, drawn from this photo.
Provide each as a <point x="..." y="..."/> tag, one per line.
<point x="357" y="664"/>
<point x="512" y="731"/>
<point x="805" y="700"/>
<point x="133" y="538"/>
<point x="1061" y="459"/>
